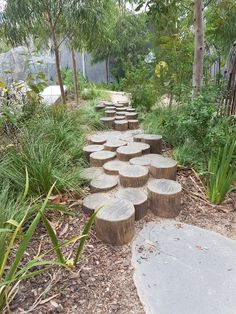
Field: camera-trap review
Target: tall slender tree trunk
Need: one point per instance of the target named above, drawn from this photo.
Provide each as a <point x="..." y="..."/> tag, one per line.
<point x="198" y="47"/>
<point x="107" y="70"/>
<point x="75" y="77"/>
<point x="57" y="57"/>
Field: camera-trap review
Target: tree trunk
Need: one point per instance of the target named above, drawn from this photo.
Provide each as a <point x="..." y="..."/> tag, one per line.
<point x="75" y="77"/>
<point x="107" y="70"/>
<point x="198" y="47"/>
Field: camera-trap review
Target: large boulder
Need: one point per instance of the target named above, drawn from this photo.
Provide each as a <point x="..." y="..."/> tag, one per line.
<point x="18" y="63"/>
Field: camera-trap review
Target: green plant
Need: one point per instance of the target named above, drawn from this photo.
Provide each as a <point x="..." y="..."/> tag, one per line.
<point x="90" y="93"/>
<point x="221" y="170"/>
<point x="68" y="79"/>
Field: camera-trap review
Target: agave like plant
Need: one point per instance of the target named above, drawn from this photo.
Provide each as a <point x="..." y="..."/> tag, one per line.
<point x="222" y="171"/>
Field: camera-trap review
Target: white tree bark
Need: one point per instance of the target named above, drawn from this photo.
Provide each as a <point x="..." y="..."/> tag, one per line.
<point x="198" y="47"/>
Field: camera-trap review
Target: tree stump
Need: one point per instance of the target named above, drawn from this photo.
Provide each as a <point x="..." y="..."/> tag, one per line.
<point x="125" y="153"/>
<point x="89" y="149"/>
<point x="124" y="103"/>
<point x="130" y="109"/>
<point x="98" y="159"/>
<point x="121" y="113"/>
<point x="113" y="167"/>
<point x="100" y="107"/>
<point x="111" y="108"/>
<point x="120" y="109"/>
<point x="110" y="113"/>
<point x="107" y="103"/>
<point x="138" y="137"/>
<point x="164" y="168"/>
<point x="119" y="106"/>
<point x="155" y="142"/>
<point x="164" y="197"/>
<point x="119" y="117"/>
<point x="121" y="125"/>
<point x="108" y="121"/>
<point x="94" y="201"/>
<point x="138" y="198"/>
<point x="114" y="223"/>
<point x="133" y="176"/>
<point x="146" y="160"/>
<point x="131" y="115"/>
<point x="112" y="145"/>
<point x="145" y="148"/>
<point x="133" y="124"/>
<point x="97" y="139"/>
<point x="103" y="183"/>
<point x="91" y="173"/>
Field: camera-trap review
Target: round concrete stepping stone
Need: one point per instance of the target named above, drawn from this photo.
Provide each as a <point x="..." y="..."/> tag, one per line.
<point x="121" y="113"/>
<point x="125" y="153"/>
<point x="164" y="197"/>
<point x="133" y="124"/>
<point x="94" y="201"/>
<point x="155" y="142"/>
<point x="167" y="254"/>
<point x="100" y="107"/>
<point x="91" y="173"/>
<point x="98" y="159"/>
<point x="146" y="160"/>
<point x="119" y="117"/>
<point x="121" y="125"/>
<point x="113" y="167"/>
<point x="145" y="148"/>
<point x="97" y="139"/>
<point x="103" y="183"/>
<point x="131" y="115"/>
<point x="164" y="168"/>
<point x="138" y="198"/>
<point x="107" y="121"/>
<point x="114" y="223"/>
<point x="133" y="176"/>
<point x="138" y="137"/>
<point x="110" y="113"/>
<point x="89" y="149"/>
<point x="130" y="109"/>
<point x="112" y="145"/>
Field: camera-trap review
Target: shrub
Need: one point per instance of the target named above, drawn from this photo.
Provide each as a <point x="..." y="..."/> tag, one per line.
<point x="68" y="80"/>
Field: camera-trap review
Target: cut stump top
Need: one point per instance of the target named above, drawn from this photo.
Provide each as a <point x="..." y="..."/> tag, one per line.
<point x="135" y="195"/>
<point x="117" y="210"/>
<point x="133" y="171"/>
<point x="164" y="186"/>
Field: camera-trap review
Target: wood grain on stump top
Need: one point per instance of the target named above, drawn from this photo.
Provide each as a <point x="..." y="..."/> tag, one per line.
<point x="121" y="113"/>
<point x="120" y="109"/>
<point x="104" y="119"/>
<point x="112" y="145"/>
<point x="114" y="223"/>
<point x="98" y="159"/>
<point x="151" y="137"/>
<point x="125" y="153"/>
<point x="138" y="137"/>
<point x="109" y="108"/>
<point x="164" y="186"/>
<point x="145" y="148"/>
<point x="163" y="168"/>
<point x="133" y="176"/>
<point x="130" y="109"/>
<point x="89" y="149"/>
<point x="94" y="201"/>
<point x="97" y="139"/>
<point x="119" y="105"/>
<point x="119" y="117"/>
<point x="91" y="173"/>
<point x="113" y="167"/>
<point x="103" y="183"/>
<point x="110" y="113"/>
<point x="131" y="115"/>
<point x="146" y="160"/>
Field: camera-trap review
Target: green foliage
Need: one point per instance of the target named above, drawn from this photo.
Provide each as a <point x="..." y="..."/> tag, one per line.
<point x="221" y="170"/>
<point x="68" y="79"/>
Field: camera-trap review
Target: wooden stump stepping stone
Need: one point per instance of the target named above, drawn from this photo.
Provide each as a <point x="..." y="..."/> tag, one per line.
<point x="112" y="145"/>
<point x="165" y="168"/>
<point x="94" y="201"/>
<point x="113" y="167"/>
<point x="130" y="109"/>
<point x="110" y="113"/>
<point x="89" y="149"/>
<point x="98" y="159"/>
<point x="91" y="173"/>
<point x="97" y="139"/>
<point x="145" y="160"/>
<point x="119" y="117"/>
<point x="125" y="153"/>
<point x="131" y="115"/>
<point x="164" y="197"/>
<point x="145" y="148"/>
<point x="119" y="106"/>
<point x="155" y="142"/>
<point x="121" y="125"/>
<point x="100" y="107"/>
<point x="133" y="124"/>
<point x="138" y="137"/>
<point x="133" y="176"/>
<point x="107" y="103"/>
<point x="121" y="113"/>
<point x="120" y="109"/>
<point x="112" y="108"/>
<point x="123" y="102"/>
<point x="108" y="121"/>
<point x="103" y="183"/>
<point x="138" y="198"/>
<point x="114" y="223"/>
